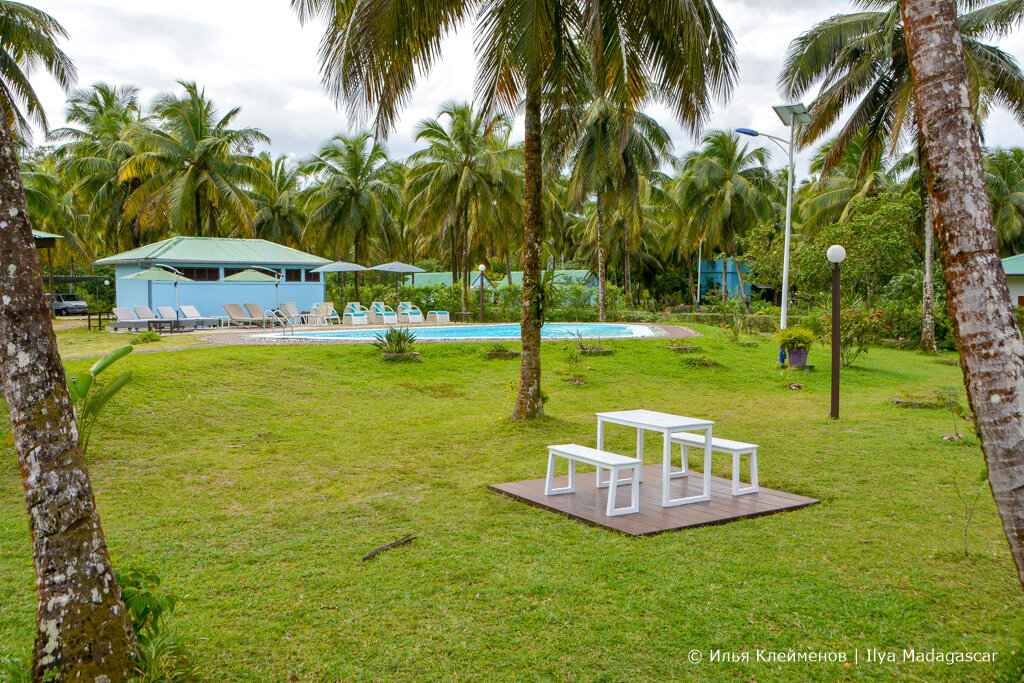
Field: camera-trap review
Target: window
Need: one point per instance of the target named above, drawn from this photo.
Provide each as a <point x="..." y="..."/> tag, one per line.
<point x="232" y="271"/>
<point x="312" y="277"/>
<point x="293" y="275"/>
<point x="201" y="274"/>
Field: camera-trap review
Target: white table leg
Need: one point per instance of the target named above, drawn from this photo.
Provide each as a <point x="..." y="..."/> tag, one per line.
<point x="600" y="447"/>
<point x="666" y="499"/>
<point x="640" y="450"/>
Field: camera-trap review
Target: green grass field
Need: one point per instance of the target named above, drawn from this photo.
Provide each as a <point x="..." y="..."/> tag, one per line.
<point x="256" y="478"/>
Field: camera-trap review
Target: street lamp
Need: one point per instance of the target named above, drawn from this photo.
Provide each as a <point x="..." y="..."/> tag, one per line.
<point x="481" y="268"/>
<point x="791" y="115"/>
<point x="835" y="255"/>
<point x="106" y="294"/>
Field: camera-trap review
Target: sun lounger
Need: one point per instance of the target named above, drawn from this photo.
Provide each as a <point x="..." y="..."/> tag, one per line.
<point x="264" y="317"/>
<point x="290" y="310"/>
<point x="168" y="313"/>
<point x="382" y="314"/>
<point x="238" y="316"/>
<point x="147" y="316"/>
<point x="329" y="314"/>
<point x="125" y="320"/>
<point x="191" y="314"/>
<point x="408" y="313"/>
<point x="438" y="317"/>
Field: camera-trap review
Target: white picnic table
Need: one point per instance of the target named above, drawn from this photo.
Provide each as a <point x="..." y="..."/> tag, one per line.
<point x="667" y="424"/>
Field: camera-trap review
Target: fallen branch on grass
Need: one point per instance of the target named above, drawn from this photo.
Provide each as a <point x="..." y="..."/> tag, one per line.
<point x="394" y="544"/>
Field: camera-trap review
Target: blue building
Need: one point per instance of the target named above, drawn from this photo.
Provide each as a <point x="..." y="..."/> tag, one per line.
<point x="711" y="277"/>
<point x="205" y="261"/>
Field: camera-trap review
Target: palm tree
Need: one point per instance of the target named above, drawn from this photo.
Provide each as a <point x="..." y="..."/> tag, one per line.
<point x="729" y="191"/>
<point x="279" y="215"/>
<point x="989" y="340"/>
<point x="29" y="38"/>
<point x="466" y="168"/>
<point x="531" y="52"/>
<point x="1004" y="177"/>
<point x="82" y="627"/>
<point x="609" y="149"/>
<point x="96" y="146"/>
<point x="350" y="201"/>
<point x="53" y="208"/>
<point x="861" y="61"/>
<point x="193" y="168"/>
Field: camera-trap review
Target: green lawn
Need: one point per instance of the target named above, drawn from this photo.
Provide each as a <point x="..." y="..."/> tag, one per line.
<point x="82" y="342"/>
<point x="256" y="478"/>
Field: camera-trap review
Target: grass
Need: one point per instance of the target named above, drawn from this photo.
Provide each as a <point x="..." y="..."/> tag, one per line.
<point x="79" y="341"/>
<point x="255" y="478"/>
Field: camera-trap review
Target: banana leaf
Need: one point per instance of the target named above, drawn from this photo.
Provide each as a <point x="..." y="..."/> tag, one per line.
<point x="106" y="393"/>
<point x="105" y="362"/>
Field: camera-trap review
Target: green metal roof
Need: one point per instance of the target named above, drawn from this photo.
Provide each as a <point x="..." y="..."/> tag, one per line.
<point x="216" y="250"/>
<point x="562" y="277"/>
<point x="429" y="280"/>
<point x="1014" y="265"/>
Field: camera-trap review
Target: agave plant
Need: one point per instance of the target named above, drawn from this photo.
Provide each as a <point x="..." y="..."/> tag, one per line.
<point x="395" y="341"/>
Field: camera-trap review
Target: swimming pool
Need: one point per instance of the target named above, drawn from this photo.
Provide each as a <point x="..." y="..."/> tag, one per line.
<point x="500" y="332"/>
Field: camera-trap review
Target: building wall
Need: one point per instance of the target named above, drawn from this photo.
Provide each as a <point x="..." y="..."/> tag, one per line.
<point x="711" y="277"/>
<point x="1016" y="286"/>
<point x="209" y="297"/>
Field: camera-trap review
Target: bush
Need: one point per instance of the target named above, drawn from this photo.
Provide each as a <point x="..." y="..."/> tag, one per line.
<point x="144" y="337"/>
<point x="698" y="361"/>
<point x="858" y="329"/>
<point x="795" y="339"/>
<point x="751" y="323"/>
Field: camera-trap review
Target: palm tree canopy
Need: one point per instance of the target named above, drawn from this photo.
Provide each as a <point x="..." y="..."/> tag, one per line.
<point x="28" y="39"/>
<point x="860" y="60"/>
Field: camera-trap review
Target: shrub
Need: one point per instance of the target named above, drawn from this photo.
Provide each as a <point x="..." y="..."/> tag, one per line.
<point x="858" y="329"/>
<point x="145" y="337"/>
<point x="795" y="339"/>
<point x="396" y="340"/>
<point x="698" y="361"/>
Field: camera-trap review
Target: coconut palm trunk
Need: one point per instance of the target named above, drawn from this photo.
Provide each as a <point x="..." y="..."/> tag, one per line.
<point x="991" y="348"/>
<point x="529" y="403"/>
<point x="627" y="280"/>
<point x="82" y="628"/>
<point x="928" y="286"/>
<point x="602" y="305"/>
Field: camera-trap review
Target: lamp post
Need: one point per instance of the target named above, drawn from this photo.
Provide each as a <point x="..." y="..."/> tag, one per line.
<point x="481" y="268"/>
<point x="106" y="294"/>
<point x="791" y="115"/>
<point x="177" y="274"/>
<point x="835" y="255"/>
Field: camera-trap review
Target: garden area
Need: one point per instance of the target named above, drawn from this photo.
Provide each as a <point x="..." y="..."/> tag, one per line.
<point x="253" y="480"/>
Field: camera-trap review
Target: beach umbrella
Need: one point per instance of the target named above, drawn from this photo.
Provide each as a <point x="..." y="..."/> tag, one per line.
<point x="159" y="275"/>
<point x="340" y="267"/>
<point x="398" y="268"/>
<point x="253" y="275"/>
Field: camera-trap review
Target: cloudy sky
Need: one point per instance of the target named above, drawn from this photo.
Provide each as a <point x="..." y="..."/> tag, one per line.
<point x="254" y="54"/>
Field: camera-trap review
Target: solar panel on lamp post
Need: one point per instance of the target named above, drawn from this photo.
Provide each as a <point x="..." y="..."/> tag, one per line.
<point x="791" y="115"/>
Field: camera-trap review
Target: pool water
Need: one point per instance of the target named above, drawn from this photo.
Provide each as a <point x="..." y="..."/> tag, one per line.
<point x="502" y="332"/>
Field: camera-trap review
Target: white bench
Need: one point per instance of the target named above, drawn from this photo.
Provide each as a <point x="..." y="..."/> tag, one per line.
<point x="591" y="456"/>
<point x="733" y="448"/>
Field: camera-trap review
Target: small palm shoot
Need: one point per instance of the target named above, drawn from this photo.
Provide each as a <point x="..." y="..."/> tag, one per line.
<point x="89" y="398"/>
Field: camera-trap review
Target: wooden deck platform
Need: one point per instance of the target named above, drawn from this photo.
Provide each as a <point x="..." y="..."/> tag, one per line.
<point x="588" y="503"/>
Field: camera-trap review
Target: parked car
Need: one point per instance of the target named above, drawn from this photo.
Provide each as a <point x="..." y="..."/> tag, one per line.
<point x="67" y="304"/>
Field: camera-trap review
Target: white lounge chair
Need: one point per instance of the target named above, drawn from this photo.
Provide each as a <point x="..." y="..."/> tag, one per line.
<point x="191" y="314"/>
<point x="438" y="317"/>
<point x="290" y="310"/>
<point x="382" y="314"/>
<point x="264" y="317"/>
<point x="124" y="319"/>
<point x="168" y="313"/>
<point x="354" y="314"/>
<point x="330" y="315"/>
<point x="408" y="313"/>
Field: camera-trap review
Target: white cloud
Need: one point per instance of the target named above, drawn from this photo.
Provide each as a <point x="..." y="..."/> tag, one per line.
<point x="254" y="54"/>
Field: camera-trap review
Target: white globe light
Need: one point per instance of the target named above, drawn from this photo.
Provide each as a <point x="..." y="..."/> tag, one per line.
<point x="482" y="267"/>
<point x="836" y="254"/>
<point x="106" y="282"/>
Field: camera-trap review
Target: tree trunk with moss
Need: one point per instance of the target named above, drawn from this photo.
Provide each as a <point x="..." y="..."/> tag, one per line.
<point x="82" y="629"/>
<point x="991" y="348"/>
<point x="602" y="305"/>
<point x="928" y="285"/>
<point x="529" y="403"/>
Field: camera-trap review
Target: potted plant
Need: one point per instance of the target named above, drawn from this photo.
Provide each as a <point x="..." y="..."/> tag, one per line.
<point x="796" y="341"/>
<point x="396" y="344"/>
<point x="590" y="348"/>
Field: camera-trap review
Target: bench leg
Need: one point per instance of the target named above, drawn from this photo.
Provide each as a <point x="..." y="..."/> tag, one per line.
<point x="684" y="455"/>
<point x="549" y="489"/>
<point x="737" y="489"/>
<point x="634" y="492"/>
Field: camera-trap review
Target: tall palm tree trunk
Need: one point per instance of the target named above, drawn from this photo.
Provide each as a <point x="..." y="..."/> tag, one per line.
<point x="82" y="628"/>
<point x="928" y="286"/>
<point x="991" y="348"/>
<point x="627" y="279"/>
<point x="602" y="305"/>
<point x="529" y="403"/>
<point x="725" y="279"/>
<point x="743" y="287"/>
